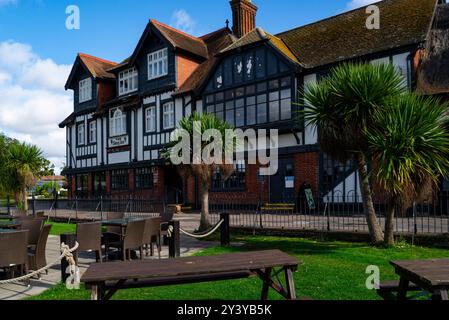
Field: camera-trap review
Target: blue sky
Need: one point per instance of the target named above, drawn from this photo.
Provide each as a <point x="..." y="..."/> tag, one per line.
<point x="37" y="51"/>
<point x="111" y="28"/>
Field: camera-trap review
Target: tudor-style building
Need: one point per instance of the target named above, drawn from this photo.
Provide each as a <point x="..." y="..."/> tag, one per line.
<point x="124" y="113"/>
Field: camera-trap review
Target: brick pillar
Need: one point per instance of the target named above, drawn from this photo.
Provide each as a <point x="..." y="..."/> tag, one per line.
<point x="307" y="168"/>
<point x="131" y="181"/>
<point x="108" y="182"/>
<point x="90" y="185"/>
<point x="73" y="184"/>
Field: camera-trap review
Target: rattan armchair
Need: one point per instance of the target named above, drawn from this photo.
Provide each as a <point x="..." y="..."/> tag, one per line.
<point x="152" y="234"/>
<point x="88" y="236"/>
<point x="13" y="251"/>
<point x="34" y="228"/>
<point x="37" y="258"/>
<point x="113" y="234"/>
<point x="132" y="240"/>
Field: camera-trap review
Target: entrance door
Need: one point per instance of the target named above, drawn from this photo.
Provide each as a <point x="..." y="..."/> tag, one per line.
<point x="282" y="185"/>
<point x="173" y="186"/>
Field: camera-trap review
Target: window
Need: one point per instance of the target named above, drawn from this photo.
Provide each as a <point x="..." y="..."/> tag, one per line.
<point x="81" y="134"/>
<point x="128" y="81"/>
<point x="119" y="180"/>
<point x="99" y="182"/>
<point x="237" y="181"/>
<point x="334" y="173"/>
<point x="158" y="64"/>
<point x="81" y="186"/>
<point x="168" y="115"/>
<point x="117" y="122"/>
<point x="144" y="178"/>
<point x="150" y="119"/>
<point x="93" y="132"/>
<point x="85" y="90"/>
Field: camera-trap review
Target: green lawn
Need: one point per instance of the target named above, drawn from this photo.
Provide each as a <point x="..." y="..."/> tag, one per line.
<point x="61" y="228"/>
<point x="331" y="271"/>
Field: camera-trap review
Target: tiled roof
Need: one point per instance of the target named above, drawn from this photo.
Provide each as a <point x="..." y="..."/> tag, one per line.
<point x="181" y="39"/>
<point x="98" y="67"/>
<point x="343" y="37"/>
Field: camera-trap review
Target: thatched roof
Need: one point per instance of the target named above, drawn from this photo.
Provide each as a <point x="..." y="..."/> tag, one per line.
<point x="433" y="69"/>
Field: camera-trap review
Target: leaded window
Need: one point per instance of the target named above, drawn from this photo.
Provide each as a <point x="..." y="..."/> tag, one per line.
<point x="144" y="178"/>
<point x="237" y="181"/>
<point x="119" y="180"/>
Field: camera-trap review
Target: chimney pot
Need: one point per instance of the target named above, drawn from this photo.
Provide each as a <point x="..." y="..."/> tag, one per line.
<point x="243" y="17"/>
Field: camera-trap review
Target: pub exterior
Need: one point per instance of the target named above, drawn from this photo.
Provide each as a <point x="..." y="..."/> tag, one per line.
<point x="125" y="112"/>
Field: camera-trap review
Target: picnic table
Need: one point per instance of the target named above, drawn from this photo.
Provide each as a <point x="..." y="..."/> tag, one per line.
<point x="428" y="275"/>
<point x="104" y="280"/>
<point x="10" y="224"/>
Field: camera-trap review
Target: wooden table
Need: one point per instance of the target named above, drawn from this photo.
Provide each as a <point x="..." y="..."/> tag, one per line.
<point x="10" y="224"/>
<point x="429" y="275"/>
<point x="106" y="279"/>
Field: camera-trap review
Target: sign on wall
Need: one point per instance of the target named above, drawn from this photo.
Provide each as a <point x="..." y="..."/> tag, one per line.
<point x="118" y="141"/>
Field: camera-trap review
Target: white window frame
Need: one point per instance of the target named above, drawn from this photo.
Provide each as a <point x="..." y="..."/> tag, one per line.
<point x="130" y="78"/>
<point x="93" y="131"/>
<point x="85" y="90"/>
<point x="117" y="122"/>
<point x="81" y="133"/>
<point x="168" y="115"/>
<point x="157" y="64"/>
<point x="150" y="119"/>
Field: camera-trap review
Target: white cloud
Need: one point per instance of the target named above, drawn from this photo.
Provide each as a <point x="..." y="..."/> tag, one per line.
<point x="353" y="4"/>
<point x="6" y="2"/>
<point x="33" y="100"/>
<point x="182" y="20"/>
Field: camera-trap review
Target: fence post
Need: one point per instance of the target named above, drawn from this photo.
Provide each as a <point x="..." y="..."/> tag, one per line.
<point x="76" y="208"/>
<point x="225" y="232"/>
<point x="70" y="240"/>
<point x="33" y="204"/>
<point x="101" y="207"/>
<point x="174" y="243"/>
<point x="8" y="205"/>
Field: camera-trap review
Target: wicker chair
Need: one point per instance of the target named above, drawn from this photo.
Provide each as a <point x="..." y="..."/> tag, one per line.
<point x="13" y="251"/>
<point x="37" y="258"/>
<point x="113" y="234"/>
<point x="88" y="236"/>
<point x="133" y="239"/>
<point x="152" y="234"/>
<point x="34" y="228"/>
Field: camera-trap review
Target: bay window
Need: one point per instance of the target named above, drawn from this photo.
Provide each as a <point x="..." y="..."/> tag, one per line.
<point x="157" y="64"/>
<point x="168" y="110"/>
<point x="128" y="81"/>
<point x="85" y="90"/>
<point x="117" y="122"/>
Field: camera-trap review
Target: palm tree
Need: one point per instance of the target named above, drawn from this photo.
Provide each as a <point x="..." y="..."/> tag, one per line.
<point x="24" y="163"/>
<point x="410" y="147"/>
<point x="197" y="125"/>
<point x="342" y="106"/>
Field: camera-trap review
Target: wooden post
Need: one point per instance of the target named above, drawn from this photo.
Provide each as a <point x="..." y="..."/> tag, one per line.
<point x="33" y="205"/>
<point x="174" y="243"/>
<point x="70" y="240"/>
<point x="225" y="236"/>
<point x="8" y="205"/>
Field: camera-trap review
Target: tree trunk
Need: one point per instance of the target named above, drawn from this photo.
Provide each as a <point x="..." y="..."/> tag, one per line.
<point x="205" y="222"/>
<point x="373" y="224"/>
<point x="25" y="199"/>
<point x="389" y="223"/>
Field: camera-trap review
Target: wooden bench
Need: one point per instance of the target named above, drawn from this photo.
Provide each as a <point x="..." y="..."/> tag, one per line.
<point x="388" y="290"/>
<point x="104" y="280"/>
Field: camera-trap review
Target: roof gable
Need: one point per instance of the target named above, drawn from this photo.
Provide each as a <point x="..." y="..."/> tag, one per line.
<point x="343" y="37"/>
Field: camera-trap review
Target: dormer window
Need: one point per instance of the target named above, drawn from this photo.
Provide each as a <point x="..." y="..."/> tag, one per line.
<point x="157" y="64"/>
<point x="117" y="122"/>
<point x="85" y="90"/>
<point x="128" y="81"/>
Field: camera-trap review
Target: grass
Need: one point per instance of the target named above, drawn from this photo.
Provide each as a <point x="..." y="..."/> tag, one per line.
<point x="330" y="271"/>
<point x="61" y="228"/>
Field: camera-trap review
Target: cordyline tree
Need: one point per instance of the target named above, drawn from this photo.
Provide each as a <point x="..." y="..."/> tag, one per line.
<point x="342" y="106"/>
<point x="410" y="149"/>
<point x="204" y="162"/>
<point x="23" y="165"/>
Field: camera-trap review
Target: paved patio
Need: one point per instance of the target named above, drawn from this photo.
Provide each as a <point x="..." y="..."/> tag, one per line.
<point x="189" y="246"/>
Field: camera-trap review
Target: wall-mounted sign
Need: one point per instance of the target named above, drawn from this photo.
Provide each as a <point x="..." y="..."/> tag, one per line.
<point x="289" y="182"/>
<point x="118" y="141"/>
<point x="309" y="198"/>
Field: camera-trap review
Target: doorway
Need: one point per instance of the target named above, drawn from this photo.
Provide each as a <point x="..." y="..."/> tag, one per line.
<point x="282" y="184"/>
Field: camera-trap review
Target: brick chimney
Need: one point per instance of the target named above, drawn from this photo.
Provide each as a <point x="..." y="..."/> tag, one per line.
<point x="243" y="17"/>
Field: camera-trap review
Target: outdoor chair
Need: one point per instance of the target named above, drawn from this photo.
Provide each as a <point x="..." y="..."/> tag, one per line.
<point x="152" y="234"/>
<point x="113" y="234"/>
<point x="37" y="257"/>
<point x="88" y="236"/>
<point x="13" y="251"/>
<point x="132" y="240"/>
<point x="34" y="228"/>
<point x="40" y="214"/>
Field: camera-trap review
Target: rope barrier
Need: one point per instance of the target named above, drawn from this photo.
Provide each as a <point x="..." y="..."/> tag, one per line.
<point x="66" y="253"/>
<point x="197" y="236"/>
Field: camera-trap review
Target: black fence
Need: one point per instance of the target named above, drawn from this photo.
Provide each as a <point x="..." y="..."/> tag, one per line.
<point x="423" y="217"/>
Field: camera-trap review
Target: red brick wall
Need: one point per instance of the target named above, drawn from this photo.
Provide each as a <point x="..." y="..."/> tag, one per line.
<point x="186" y="67"/>
<point x="307" y="170"/>
<point x="90" y="191"/>
<point x="106" y="92"/>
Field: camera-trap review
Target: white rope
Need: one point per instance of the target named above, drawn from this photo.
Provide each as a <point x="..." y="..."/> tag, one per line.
<point x="66" y="253"/>
<point x="199" y="236"/>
